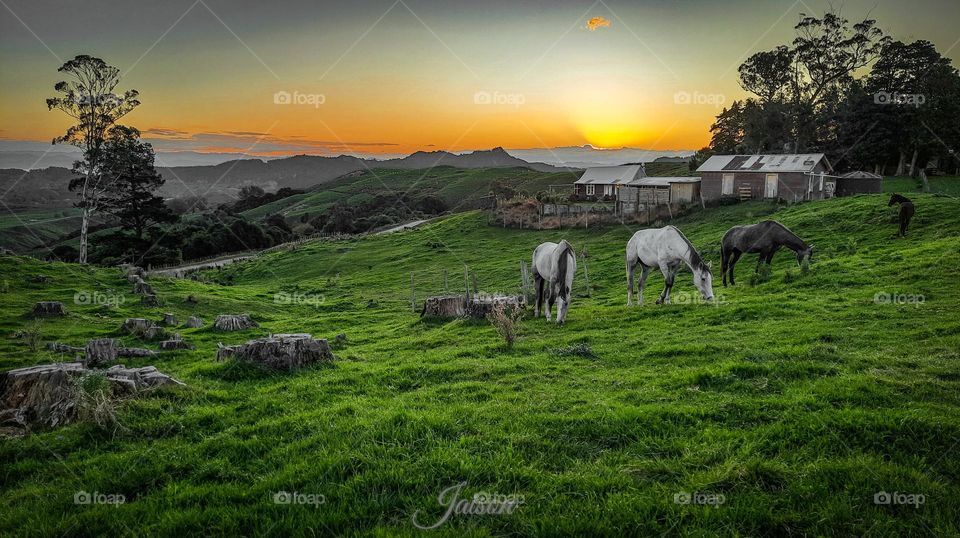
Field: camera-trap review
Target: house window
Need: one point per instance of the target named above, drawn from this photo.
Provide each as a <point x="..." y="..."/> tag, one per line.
<point x="726" y="187"/>
<point x="591" y="190"/>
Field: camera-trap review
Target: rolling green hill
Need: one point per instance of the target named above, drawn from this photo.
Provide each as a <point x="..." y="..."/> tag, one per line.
<point x="460" y="188"/>
<point x="796" y="399"/>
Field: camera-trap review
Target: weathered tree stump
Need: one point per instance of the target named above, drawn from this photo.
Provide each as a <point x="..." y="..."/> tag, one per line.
<point x="136" y="352"/>
<point x="47" y="395"/>
<point x="446" y="306"/>
<point x="48" y="309"/>
<point x="140" y="287"/>
<point x="132" y="270"/>
<point x="231" y="322"/>
<point x="57" y="347"/>
<point x="478" y="306"/>
<point x="481" y="306"/>
<point x="149" y="300"/>
<point x="169" y="319"/>
<point x="280" y="351"/>
<point x="175" y="343"/>
<point x="40" y="279"/>
<point x="101" y="351"/>
<point x="142" y="328"/>
<point x="194" y="323"/>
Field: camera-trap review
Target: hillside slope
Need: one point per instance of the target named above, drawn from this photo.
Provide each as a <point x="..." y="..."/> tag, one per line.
<point x="797" y="399"/>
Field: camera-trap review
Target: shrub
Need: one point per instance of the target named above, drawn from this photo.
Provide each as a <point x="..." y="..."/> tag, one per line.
<point x="94" y="401"/>
<point x="505" y="320"/>
<point x="31" y="335"/>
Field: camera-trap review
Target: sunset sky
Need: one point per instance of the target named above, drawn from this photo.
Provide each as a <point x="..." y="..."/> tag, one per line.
<point x="391" y="77"/>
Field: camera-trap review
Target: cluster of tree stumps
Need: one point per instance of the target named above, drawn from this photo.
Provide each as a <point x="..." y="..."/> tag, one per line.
<point x="475" y="306"/>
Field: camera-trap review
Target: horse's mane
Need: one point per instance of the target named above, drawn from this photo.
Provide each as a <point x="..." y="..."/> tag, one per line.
<point x="695" y="260"/>
<point x="899" y="198"/>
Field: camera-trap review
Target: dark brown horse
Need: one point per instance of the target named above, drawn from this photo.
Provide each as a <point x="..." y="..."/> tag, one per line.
<point x="765" y="239"/>
<point x="906" y="212"/>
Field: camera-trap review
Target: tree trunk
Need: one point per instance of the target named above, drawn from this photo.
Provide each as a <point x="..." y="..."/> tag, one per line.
<point x="84" y="224"/>
<point x="913" y="163"/>
<point x="900" y="165"/>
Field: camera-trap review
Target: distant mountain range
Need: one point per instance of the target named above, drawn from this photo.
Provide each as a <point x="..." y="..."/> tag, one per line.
<point x="221" y="182"/>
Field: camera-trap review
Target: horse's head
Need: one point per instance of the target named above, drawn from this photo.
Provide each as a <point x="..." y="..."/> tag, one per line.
<point x="895" y="198"/>
<point x="703" y="280"/>
<point x="805" y="253"/>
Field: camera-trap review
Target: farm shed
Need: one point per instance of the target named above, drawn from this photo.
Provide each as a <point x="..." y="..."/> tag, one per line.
<point x="859" y="182"/>
<point x="639" y="193"/>
<point x="792" y="177"/>
<point x="602" y="181"/>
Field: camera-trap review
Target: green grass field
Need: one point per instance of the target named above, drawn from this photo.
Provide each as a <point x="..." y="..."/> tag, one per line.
<point x="797" y="399"/>
<point x="28" y="230"/>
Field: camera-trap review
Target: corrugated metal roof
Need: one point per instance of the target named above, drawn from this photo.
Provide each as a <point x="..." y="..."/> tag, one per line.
<point x="860" y="174"/>
<point x="804" y="162"/>
<point x="661" y="181"/>
<point x="611" y="175"/>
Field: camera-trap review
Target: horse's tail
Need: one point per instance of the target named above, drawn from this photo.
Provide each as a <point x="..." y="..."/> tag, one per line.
<point x="723" y="259"/>
<point x="566" y="249"/>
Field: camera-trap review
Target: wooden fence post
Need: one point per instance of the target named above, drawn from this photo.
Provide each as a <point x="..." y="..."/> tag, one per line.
<point x="413" y="294"/>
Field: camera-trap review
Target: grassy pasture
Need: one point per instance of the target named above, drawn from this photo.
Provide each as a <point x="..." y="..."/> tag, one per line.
<point x="796" y="399"/>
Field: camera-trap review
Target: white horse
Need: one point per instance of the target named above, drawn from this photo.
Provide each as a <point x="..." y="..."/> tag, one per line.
<point x="554" y="265"/>
<point x="665" y="248"/>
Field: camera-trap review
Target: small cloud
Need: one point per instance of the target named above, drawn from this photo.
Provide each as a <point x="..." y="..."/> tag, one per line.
<point x="597" y="22"/>
<point x="160" y="131"/>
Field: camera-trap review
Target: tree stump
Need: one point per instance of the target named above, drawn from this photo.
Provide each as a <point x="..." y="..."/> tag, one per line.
<point x="150" y="300"/>
<point x="47" y="395"/>
<point x="140" y="287"/>
<point x="280" y="351"/>
<point x="480" y="307"/>
<point x="231" y="322"/>
<point x="100" y="351"/>
<point x="446" y="306"/>
<point x="169" y="320"/>
<point x="48" y="309"/>
<point x="175" y="343"/>
<point x="135" y="352"/>
<point x="194" y="323"/>
<point x="144" y="329"/>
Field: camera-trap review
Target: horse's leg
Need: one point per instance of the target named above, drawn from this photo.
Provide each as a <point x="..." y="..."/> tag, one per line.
<point x="733" y="262"/>
<point x="724" y="261"/>
<point x="644" y="271"/>
<point x="551" y="298"/>
<point x="631" y="267"/>
<point x="760" y="258"/>
<point x="770" y="256"/>
<point x="668" y="282"/>
<point x="538" y="283"/>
